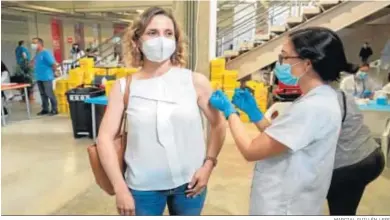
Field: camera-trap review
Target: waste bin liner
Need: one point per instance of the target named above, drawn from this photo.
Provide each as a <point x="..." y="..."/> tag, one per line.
<point x="80" y="112"/>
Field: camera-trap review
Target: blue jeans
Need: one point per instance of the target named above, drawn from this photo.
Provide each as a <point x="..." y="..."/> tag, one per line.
<point x="154" y="202"/>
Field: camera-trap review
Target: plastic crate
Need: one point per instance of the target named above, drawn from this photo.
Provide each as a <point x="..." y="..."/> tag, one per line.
<point x="61" y="86"/>
<point x="216" y="84"/>
<point x="108" y="86"/>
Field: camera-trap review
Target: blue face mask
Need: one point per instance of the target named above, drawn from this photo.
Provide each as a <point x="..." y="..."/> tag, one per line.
<point x="362" y="75"/>
<point x="283" y="72"/>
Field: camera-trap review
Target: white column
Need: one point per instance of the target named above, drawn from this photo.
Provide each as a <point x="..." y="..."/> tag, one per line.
<point x="213" y="29"/>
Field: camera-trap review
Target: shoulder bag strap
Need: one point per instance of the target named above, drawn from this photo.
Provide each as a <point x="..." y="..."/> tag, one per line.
<point x="344" y="106"/>
<point x="124" y="115"/>
<point x="121" y="129"/>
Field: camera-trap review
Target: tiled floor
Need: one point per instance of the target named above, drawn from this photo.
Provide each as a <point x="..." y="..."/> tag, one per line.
<point x="45" y="171"/>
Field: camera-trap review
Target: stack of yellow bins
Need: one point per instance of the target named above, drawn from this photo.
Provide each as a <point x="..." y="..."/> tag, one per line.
<point x="76" y="77"/>
<point x="86" y="63"/>
<point x="87" y="66"/>
<point x="89" y="76"/>
<point x="100" y="72"/>
<point x="243" y="116"/>
<point x="260" y="94"/>
<point x="120" y="73"/>
<point x="108" y="86"/>
<point x="130" y="71"/>
<point x="61" y="89"/>
<point x="230" y="82"/>
<point x="112" y="71"/>
<point x="217" y="69"/>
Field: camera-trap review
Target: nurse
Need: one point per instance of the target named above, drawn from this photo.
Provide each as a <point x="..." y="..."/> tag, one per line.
<point x="295" y="154"/>
<point x="360" y="85"/>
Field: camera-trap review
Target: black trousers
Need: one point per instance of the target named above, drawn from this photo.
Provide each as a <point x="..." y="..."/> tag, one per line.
<point x="364" y="60"/>
<point x="348" y="183"/>
<point x="47" y="93"/>
<point x="5" y="110"/>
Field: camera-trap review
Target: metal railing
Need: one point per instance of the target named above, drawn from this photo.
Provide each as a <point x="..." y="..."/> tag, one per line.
<point x="105" y="49"/>
<point x="260" y="19"/>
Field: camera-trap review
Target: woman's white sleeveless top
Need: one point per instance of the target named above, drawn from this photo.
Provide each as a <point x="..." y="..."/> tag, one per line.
<point x="165" y="141"/>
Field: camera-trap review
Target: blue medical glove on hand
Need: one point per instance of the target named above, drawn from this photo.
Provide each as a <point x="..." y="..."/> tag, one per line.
<point x="366" y="93"/>
<point x="245" y="101"/>
<point x="220" y="101"/>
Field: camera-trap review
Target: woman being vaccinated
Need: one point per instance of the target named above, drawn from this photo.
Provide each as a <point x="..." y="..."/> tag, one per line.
<point x="168" y="161"/>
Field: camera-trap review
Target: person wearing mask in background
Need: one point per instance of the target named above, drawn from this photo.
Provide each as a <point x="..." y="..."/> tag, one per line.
<point x="23" y="73"/>
<point x="22" y="56"/>
<point x="168" y="161"/>
<point x="295" y="153"/>
<point x="76" y="53"/>
<point x="90" y="54"/>
<point x="44" y="69"/>
<point x="365" y="53"/>
<point x="360" y="85"/>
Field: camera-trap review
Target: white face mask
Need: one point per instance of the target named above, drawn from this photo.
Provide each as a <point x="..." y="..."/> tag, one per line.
<point x="34" y="46"/>
<point x="158" y="49"/>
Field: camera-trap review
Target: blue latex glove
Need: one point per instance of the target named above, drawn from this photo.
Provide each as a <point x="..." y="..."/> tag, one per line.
<point x="221" y="102"/>
<point x="366" y="93"/>
<point x="245" y="101"/>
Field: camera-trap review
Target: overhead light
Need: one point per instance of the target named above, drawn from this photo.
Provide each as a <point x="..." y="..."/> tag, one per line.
<point x="139" y="11"/>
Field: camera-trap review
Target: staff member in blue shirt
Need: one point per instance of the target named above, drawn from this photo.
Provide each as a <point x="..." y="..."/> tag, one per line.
<point x="45" y="66"/>
<point x="22" y="55"/>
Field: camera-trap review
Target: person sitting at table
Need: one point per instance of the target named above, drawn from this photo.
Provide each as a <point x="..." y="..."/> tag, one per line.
<point x="166" y="155"/>
<point x="4" y="79"/>
<point x="360" y="85"/>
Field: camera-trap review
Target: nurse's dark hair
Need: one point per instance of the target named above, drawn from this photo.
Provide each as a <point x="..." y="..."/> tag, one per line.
<point x="325" y="51"/>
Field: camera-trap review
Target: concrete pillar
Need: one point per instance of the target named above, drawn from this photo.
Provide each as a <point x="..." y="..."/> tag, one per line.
<point x="196" y="19"/>
<point x="213" y="29"/>
<point x="179" y="9"/>
<point x="202" y="41"/>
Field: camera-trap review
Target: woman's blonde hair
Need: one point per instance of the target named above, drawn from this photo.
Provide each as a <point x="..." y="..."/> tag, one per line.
<point x="132" y="54"/>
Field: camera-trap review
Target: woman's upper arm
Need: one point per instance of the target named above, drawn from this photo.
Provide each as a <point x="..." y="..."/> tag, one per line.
<point x="204" y="91"/>
<point x="111" y="121"/>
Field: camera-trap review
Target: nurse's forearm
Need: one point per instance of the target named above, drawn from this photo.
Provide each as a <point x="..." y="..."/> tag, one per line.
<point x="262" y="124"/>
<point x="240" y="136"/>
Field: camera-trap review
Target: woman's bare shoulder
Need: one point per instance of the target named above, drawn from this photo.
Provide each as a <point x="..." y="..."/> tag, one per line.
<point x="200" y="81"/>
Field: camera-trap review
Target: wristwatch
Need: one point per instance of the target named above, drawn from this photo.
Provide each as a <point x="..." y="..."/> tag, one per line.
<point x="212" y="159"/>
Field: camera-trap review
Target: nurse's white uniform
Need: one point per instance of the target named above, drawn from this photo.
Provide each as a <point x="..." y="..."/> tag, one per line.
<point x="297" y="182"/>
